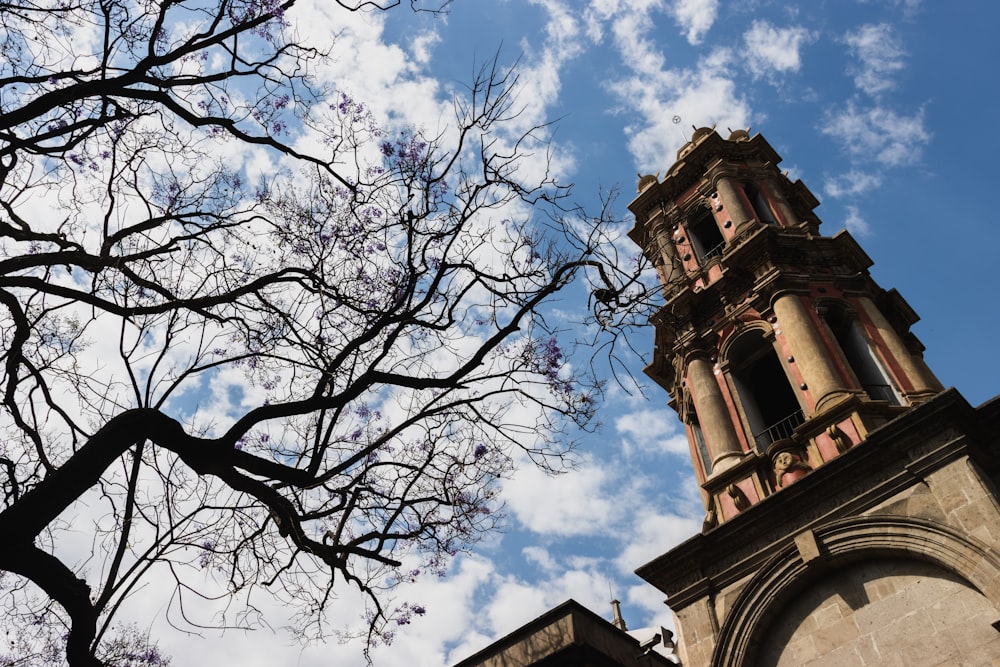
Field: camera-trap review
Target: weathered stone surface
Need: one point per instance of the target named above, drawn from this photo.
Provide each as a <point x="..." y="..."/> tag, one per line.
<point x="884" y="613"/>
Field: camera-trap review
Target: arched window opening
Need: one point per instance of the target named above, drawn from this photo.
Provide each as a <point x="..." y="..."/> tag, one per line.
<point x="768" y="401"/>
<point x="860" y="355"/>
<point x="760" y="206"/>
<point x="705" y="236"/>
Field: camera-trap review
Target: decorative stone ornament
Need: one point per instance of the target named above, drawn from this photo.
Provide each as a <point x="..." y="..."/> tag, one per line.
<point x="788" y="467"/>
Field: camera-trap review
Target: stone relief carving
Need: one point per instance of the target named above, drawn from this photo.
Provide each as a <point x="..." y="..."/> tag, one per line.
<point x="840" y="439"/>
<point x="788" y="467"/>
<point x="739" y="498"/>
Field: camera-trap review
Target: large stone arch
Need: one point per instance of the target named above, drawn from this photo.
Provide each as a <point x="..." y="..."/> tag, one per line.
<point x="839" y="544"/>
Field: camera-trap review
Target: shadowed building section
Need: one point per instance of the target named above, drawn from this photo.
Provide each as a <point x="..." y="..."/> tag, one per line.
<point x="569" y="635"/>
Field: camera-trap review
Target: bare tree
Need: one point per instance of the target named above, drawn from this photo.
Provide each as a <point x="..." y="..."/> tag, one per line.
<point x="274" y="386"/>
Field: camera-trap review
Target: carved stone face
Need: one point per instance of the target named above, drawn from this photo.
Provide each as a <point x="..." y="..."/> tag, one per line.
<point x="783" y="460"/>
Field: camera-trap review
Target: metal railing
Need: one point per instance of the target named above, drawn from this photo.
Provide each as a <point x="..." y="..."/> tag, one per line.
<point x="779" y="430"/>
<point x="713" y="252"/>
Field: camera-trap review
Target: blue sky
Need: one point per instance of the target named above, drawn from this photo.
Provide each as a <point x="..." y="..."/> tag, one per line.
<point x="884" y="108"/>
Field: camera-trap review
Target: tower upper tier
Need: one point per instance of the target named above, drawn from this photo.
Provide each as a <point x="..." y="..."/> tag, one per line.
<point x="777" y="348"/>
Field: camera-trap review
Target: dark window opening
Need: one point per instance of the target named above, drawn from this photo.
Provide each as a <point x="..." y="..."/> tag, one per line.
<point x="699" y="442"/>
<point x="706" y="237"/>
<point x="760" y="206"/>
<point x="768" y="400"/>
<point x="860" y="356"/>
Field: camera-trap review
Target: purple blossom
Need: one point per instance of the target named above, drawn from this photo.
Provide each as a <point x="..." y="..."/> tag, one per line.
<point x="206" y="556"/>
<point x="550" y="359"/>
<point x="345" y="104"/>
<point x="480" y="451"/>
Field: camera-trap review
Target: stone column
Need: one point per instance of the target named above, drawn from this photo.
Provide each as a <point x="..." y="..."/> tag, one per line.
<point x="811" y="356"/>
<point x="663" y="242"/>
<point x="733" y="199"/>
<point x="924" y="383"/>
<point x="713" y="414"/>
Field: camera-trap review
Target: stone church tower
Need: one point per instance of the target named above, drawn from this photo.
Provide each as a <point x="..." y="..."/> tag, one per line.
<point x="851" y="505"/>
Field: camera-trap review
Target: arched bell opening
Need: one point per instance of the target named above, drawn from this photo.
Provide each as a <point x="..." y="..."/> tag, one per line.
<point x="759" y="204"/>
<point x="860" y="354"/>
<point x="705" y="235"/>
<point x="765" y="395"/>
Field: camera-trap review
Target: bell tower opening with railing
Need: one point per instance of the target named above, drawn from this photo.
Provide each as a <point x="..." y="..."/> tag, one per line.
<point x="777" y="348"/>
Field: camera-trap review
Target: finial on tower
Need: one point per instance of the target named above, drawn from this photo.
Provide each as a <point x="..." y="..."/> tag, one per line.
<point x="616" y="615"/>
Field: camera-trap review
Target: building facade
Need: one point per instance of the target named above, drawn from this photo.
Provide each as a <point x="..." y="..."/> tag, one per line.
<point x="570" y="635"/>
<point x="851" y="505"/>
<point x="852" y="513"/>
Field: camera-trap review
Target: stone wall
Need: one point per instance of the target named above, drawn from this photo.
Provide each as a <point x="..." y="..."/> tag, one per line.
<point x="888" y="613"/>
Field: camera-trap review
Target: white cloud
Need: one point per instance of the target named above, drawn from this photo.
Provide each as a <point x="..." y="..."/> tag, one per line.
<point x="383" y="75"/>
<point x="575" y="503"/>
<point x="854" y="182"/>
<point x="451" y="605"/>
<point x="855" y="223"/>
<point x="652" y="431"/>
<point x="702" y="97"/>
<point x="880" y="56"/>
<point x="879" y="134"/>
<point x="772" y="50"/>
<point x="540" y="72"/>
<point x="423" y="46"/>
<point x="540" y="557"/>
<point x="653" y="534"/>
<point x="515" y="603"/>
<point x="695" y="16"/>
<point x="909" y="7"/>
<point x="651" y="600"/>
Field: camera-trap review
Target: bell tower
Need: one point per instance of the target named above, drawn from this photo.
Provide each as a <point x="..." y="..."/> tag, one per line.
<point x="851" y="508"/>
<point x="777" y="348"/>
<point x="852" y="511"/>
